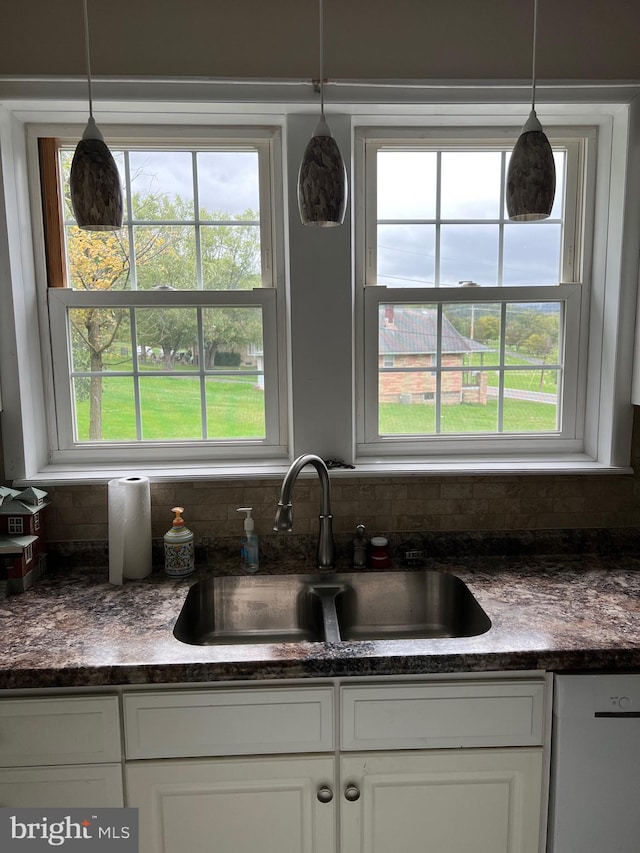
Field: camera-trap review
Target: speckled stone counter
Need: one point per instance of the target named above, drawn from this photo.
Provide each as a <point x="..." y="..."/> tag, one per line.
<point x="75" y="629"/>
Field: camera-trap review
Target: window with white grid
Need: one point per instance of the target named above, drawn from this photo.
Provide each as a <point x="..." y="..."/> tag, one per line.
<point x="471" y="322"/>
<point x="165" y="333"/>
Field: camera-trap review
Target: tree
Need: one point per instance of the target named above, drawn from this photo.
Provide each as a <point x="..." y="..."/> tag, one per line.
<point x="165" y="255"/>
<point x="229" y="329"/>
<point x="97" y="261"/>
<point x="487" y="328"/>
<point x="171" y="329"/>
<point x="231" y="253"/>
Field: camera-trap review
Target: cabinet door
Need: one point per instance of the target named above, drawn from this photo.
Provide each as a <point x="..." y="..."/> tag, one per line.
<point x="62" y="787"/>
<point x="234" y="805"/>
<point x="465" y="801"/>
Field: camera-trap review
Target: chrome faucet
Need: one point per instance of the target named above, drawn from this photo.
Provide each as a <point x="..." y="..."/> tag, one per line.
<point x="284" y="514"/>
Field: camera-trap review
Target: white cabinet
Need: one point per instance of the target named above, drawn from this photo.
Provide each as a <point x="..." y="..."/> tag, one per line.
<point x="234" y="805"/>
<point x="62" y="786"/>
<point x="60" y="751"/>
<point x="227" y="721"/>
<point x="449" y="801"/>
<point x="453" y="766"/>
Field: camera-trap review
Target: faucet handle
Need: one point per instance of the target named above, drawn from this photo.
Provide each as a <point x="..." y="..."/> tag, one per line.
<point x="284" y="518"/>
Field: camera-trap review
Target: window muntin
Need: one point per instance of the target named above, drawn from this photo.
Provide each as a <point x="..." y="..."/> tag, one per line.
<point x="436" y="216"/>
<point x="436" y="226"/>
<point x="134" y="363"/>
<point x="192" y="221"/>
<point x="169" y="374"/>
<point x="15" y="525"/>
<point x="481" y="367"/>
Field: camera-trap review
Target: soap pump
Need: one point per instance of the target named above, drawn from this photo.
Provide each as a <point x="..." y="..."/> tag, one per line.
<point x="178" y="547"/>
<point x="249" y="550"/>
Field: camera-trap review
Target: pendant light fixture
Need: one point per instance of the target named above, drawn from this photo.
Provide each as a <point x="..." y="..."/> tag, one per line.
<point x="531" y="177"/>
<point x="322" y="179"/>
<point x="94" y="181"/>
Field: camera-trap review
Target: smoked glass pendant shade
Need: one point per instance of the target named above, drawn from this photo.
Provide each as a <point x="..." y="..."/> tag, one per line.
<point x="531" y="177"/>
<point x="322" y="181"/>
<point x="322" y="177"/>
<point x="94" y="182"/>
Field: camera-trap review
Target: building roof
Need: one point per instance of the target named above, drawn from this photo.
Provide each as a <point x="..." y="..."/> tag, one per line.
<point x="13" y="506"/>
<point x="15" y="544"/>
<point x="32" y="496"/>
<point x="415" y="331"/>
<point x="6" y="493"/>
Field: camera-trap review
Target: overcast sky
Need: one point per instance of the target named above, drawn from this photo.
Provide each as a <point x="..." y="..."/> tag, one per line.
<point x="227" y="181"/>
<point x="470" y="189"/>
<point x="407" y="191"/>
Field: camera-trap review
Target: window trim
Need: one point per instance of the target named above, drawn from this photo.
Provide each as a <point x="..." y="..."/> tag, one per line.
<point x="581" y="143"/>
<point x="321" y="295"/>
<point x="568" y="440"/>
<point x="269" y="298"/>
<point x="60" y="300"/>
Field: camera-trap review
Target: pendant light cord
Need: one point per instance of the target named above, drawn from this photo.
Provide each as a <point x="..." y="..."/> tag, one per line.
<point x="533" y="61"/>
<point x="88" y="55"/>
<point x="321" y="9"/>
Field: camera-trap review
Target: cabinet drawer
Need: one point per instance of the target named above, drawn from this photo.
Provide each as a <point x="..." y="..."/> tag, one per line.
<point x="435" y="716"/>
<point x="190" y="723"/>
<point x="79" y="730"/>
<point x="87" y="785"/>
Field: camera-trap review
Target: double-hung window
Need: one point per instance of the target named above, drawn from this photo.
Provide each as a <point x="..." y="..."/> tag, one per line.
<point x="472" y="324"/>
<point x="164" y="334"/>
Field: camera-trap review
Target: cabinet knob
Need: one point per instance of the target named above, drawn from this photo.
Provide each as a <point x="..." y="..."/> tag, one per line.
<point x="352" y="793"/>
<point x="325" y="795"/>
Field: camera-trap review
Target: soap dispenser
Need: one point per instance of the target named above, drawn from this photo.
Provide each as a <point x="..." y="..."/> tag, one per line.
<point x="178" y="547"/>
<point x="249" y="550"/>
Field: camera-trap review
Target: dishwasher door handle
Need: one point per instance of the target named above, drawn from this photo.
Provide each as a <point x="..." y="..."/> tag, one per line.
<point x="621" y="715"/>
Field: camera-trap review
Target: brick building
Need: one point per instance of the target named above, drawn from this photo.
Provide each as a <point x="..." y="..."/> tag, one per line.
<point x="408" y="339"/>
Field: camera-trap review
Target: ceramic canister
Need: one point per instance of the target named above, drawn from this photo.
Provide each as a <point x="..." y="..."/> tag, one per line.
<point x="179" y="557"/>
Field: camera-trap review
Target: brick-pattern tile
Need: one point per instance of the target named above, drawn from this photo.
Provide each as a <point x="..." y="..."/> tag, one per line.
<point x="386" y="505"/>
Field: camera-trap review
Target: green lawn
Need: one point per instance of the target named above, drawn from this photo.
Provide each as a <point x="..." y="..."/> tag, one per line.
<point x="519" y="416"/>
<point x="171" y="409"/>
<point x="235" y="409"/>
<point x="530" y="378"/>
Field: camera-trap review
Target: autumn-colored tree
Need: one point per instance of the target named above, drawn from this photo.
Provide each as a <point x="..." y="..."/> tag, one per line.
<point x="165" y="256"/>
<point x="99" y="260"/>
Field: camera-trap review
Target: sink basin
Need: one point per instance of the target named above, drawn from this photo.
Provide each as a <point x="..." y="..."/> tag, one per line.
<point x="265" y="609"/>
<point x="329" y="608"/>
<point x="408" y="605"/>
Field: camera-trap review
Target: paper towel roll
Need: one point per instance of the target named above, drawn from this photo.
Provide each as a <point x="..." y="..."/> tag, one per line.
<point x="129" y="528"/>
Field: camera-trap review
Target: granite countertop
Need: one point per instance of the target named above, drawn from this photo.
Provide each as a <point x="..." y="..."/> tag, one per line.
<point x="75" y="629"/>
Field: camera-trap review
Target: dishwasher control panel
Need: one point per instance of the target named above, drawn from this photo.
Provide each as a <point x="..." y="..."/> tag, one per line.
<point x="616" y="694"/>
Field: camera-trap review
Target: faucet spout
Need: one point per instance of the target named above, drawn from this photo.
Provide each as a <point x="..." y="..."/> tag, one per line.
<point x="284" y="514"/>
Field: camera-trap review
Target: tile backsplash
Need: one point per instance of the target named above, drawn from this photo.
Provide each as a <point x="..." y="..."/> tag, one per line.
<point x="386" y="505"/>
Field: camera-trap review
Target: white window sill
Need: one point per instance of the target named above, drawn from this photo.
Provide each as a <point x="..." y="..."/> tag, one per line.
<point x="570" y="465"/>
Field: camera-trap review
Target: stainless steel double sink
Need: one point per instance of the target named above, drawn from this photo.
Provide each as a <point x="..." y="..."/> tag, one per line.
<point x="329" y="608"/>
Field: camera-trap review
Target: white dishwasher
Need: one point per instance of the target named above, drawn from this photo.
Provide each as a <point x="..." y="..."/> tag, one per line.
<point x="595" y="765"/>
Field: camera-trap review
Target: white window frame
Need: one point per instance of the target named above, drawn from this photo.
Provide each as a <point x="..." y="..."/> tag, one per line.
<point x="64" y="449"/>
<point x="580" y="144"/>
<point x="15" y="525"/>
<point x="569" y="439"/>
<point x="574" y="442"/>
<point x="320" y="329"/>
